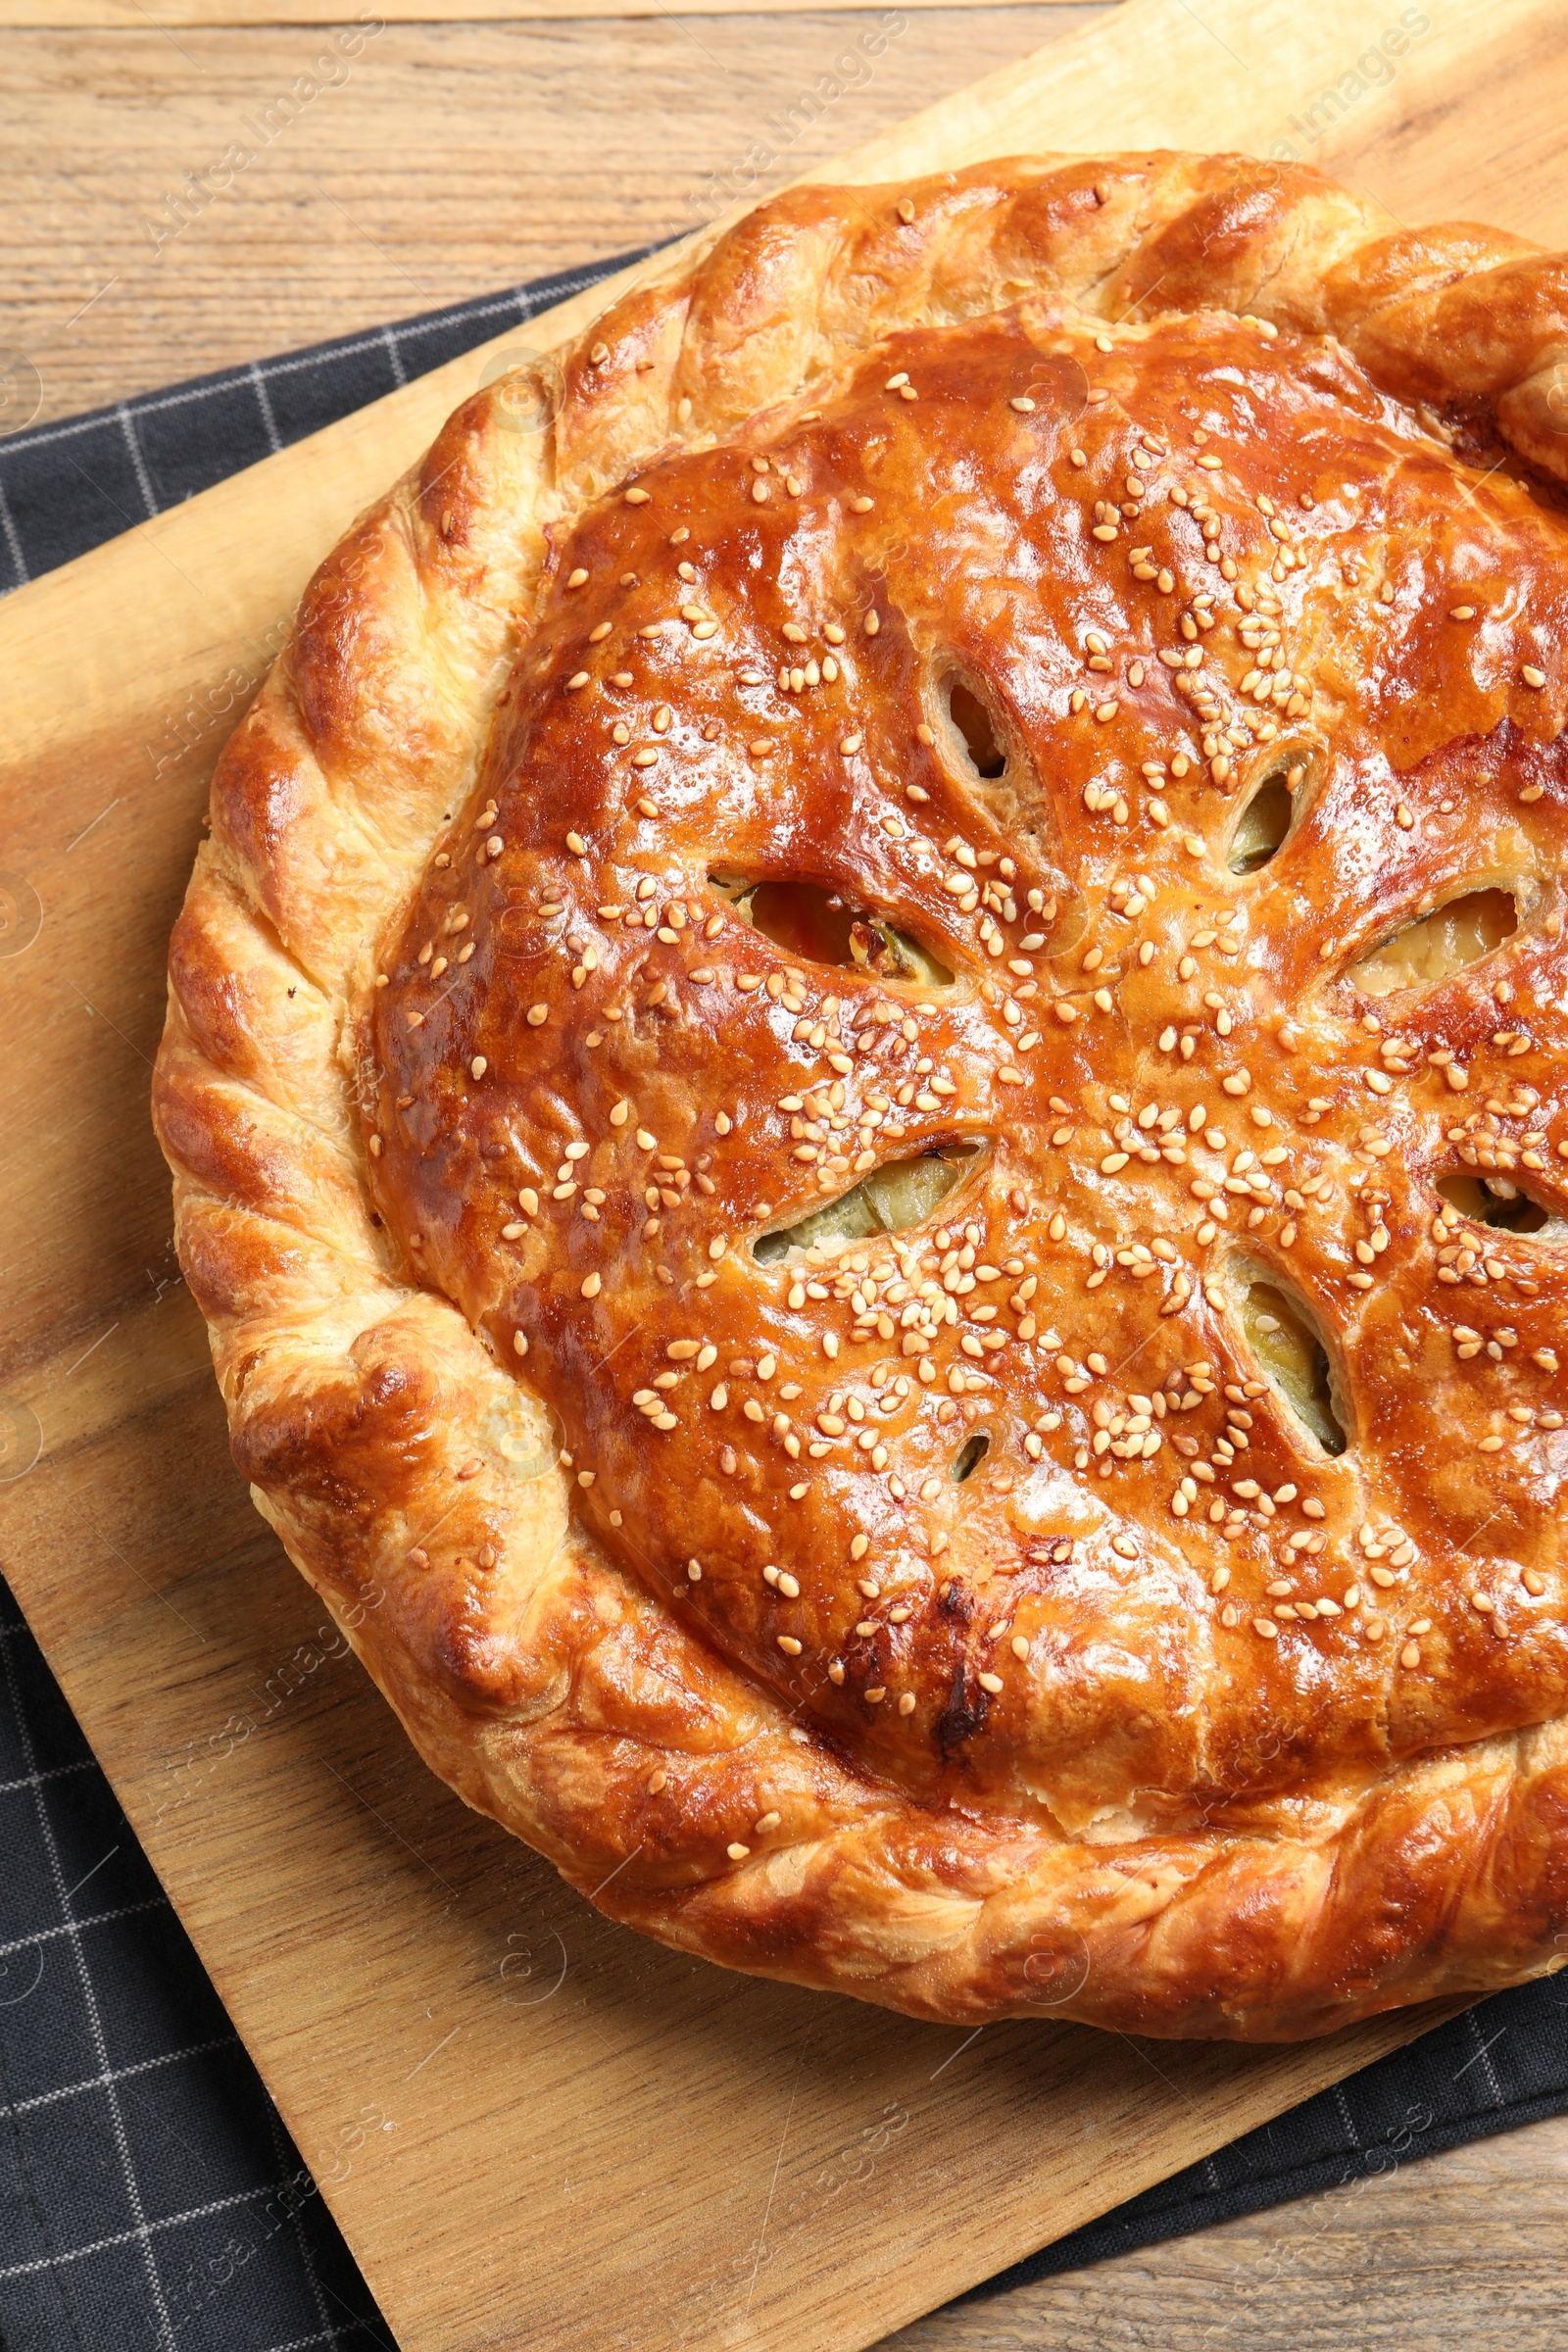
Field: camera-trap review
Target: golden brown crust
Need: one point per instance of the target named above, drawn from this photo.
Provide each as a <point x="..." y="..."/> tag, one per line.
<point x="1166" y="1717"/>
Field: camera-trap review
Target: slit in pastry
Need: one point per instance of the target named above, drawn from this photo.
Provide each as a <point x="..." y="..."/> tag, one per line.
<point x="1264" y="821"/>
<point x="1500" y="1201"/>
<point x="1437" y="945"/>
<point x="976" y="730"/>
<point x="969" y="1457"/>
<point x="807" y="920"/>
<point x="889" y="1199"/>
<point x="1292" y="1357"/>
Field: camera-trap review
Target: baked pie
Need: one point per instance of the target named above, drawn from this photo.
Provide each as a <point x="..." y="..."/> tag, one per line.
<point x="867" y="1090"/>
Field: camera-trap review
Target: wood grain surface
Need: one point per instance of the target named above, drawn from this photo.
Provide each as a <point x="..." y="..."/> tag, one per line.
<point x="535" y="2129"/>
<point x="1458" y="2253"/>
<point x="443" y="162"/>
<point x="128" y="15"/>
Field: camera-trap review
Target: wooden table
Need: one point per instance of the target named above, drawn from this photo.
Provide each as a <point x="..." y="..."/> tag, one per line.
<point x="418" y="181"/>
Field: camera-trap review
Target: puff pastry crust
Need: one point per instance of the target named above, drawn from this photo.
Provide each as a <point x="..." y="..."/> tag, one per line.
<point x="866" y="1082"/>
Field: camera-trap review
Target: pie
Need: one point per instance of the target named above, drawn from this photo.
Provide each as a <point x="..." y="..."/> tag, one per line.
<point x="866" y="1081"/>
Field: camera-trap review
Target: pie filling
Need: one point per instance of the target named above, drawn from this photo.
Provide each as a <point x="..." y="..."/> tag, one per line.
<point x="902" y="1193"/>
<point x="817" y="923"/>
<point x="1265" y="820"/>
<point x="1437" y="945"/>
<point x="1289" y="1347"/>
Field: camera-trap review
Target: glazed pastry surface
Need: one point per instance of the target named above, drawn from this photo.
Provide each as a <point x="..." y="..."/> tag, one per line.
<point x="867" y="1088"/>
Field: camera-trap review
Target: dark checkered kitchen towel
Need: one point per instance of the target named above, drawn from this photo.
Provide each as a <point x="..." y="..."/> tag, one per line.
<point x="150" y="2200"/>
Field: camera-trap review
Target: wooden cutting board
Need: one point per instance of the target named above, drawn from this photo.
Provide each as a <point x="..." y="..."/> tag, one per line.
<point x="534" y="2128"/>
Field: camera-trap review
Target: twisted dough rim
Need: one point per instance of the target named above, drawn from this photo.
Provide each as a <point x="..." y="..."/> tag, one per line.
<point x="376" y="1430"/>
